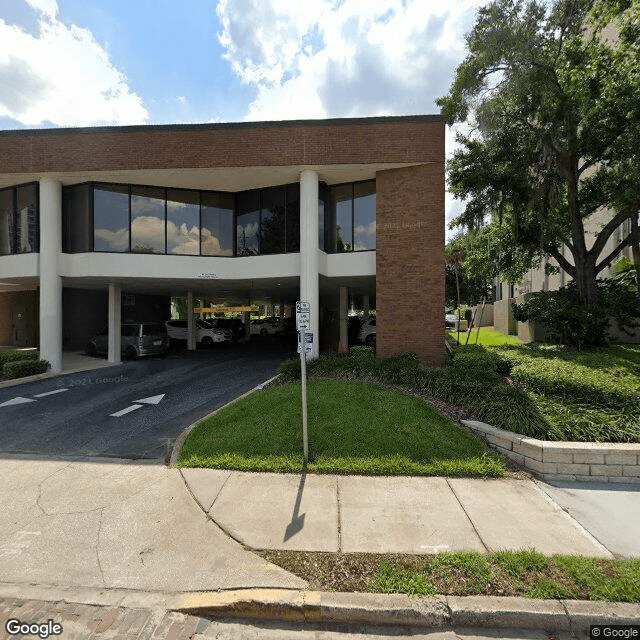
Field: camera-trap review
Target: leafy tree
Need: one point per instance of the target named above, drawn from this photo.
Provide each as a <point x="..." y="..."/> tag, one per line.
<point x="551" y="101"/>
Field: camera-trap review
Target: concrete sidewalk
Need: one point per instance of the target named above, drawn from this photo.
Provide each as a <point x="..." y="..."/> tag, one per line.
<point x="387" y="514"/>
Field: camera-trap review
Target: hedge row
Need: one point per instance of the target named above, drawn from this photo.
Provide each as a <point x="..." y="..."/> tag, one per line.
<point x="553" y="395"/>
<point x="18" y="364"/>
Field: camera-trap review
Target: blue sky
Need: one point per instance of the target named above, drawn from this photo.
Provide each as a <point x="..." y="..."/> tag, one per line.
<point x="99" y="62"/>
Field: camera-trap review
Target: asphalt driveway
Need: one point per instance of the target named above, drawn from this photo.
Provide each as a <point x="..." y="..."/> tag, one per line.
<point x="134" y="410"/>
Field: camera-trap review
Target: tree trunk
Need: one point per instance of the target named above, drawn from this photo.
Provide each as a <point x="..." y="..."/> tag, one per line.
<point x="584" y="261"/>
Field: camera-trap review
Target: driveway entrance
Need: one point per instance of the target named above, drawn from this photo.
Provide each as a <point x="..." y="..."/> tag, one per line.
<point x="134" y="410"/>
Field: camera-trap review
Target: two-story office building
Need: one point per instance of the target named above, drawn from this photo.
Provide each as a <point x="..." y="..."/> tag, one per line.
<point x="102" y="225"/>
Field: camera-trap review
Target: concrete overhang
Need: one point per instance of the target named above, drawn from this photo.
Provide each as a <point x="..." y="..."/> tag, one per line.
<point x="215" y="179"/>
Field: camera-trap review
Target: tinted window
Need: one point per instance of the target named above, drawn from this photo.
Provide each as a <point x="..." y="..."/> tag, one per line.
<point x="342" y="217"/>
<point x="272" y="224"/>
<point x="248" y="223"/>
<point x="26" y="229"/>
<point x="364" y="215"/>
<point x="293" y="218"/>
<point x="130" y="330"/>
<point x="148" y="220"/>
<point x="76" y="218"/>
<point x="183" y="222"/>
<point x="6" y="222"/>
<point x="217" y="224"/>
<point x="111" y="218"/>
<point x="321" y="216"/>
<point x="153" y="329"/>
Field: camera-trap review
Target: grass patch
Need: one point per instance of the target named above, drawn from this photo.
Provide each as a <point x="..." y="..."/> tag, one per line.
<point x="354" y="428"/>
<point x="525" y="573"/>
<point x="487" y="337"/>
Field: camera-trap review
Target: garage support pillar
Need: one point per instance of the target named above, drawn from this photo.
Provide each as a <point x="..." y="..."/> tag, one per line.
<point x="365" y="305"/>
<point x="50" y="280"/>
<point x="191" y="325"/>
<point x="115" y="319"/>
<point x="309" y="252"/>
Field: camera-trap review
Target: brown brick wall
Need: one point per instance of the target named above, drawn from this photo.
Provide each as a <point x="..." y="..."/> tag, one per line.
<point x="410" y="261"/>
<point x="356" y="141"/>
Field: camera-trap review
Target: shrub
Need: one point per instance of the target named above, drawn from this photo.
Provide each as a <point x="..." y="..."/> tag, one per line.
<point x="575" y="323"/>
<point x="22" y="368"/>
<point x="13" y="355"/>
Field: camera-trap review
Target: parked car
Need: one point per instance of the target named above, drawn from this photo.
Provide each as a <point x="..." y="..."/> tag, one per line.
<point x="450" y="320"/>
<point x="206" y="333"/>
<point x="265" y="327"/>
<point x="368" y="332"/>
<point x="235" y="325"/>
<point x="136" y="339"/>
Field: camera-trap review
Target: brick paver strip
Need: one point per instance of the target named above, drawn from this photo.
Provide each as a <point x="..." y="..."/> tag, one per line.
<point x="108" y="618"/>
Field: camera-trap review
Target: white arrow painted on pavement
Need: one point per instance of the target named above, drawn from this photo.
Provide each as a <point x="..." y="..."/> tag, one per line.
<point x="133" y="407"/>
<point x="122" y="412"/>
<point x="49" y="393"/>
<point x="18" y="400"/>
<point x="151" y="399"/>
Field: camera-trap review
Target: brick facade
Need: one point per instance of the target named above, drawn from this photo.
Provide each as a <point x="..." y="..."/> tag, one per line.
<point x="353" y="141"/>
<point x="410" y="261"/>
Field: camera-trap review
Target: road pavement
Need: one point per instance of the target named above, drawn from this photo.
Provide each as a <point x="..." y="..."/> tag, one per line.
<point x="133" y="410"/>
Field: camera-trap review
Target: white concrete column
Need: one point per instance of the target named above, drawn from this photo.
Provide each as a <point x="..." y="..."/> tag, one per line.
<point x="191" y="325"/>
<point x="309" y="285"/>
<point x="115" y="320"/>
<point x="50" y="280"/>
<point x="343" y="345"/>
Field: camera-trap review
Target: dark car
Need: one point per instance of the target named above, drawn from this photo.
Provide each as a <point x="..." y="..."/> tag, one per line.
<point x="235" y="325"/>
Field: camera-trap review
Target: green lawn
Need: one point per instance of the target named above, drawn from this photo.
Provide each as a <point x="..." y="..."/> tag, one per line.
<point x="526" y="573"/>
<point x="354" y="428"/>
<point x="487" y="337"/>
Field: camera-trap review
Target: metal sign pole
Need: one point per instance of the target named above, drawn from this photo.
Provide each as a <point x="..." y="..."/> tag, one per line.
<point x="302" y="324"/>
<point x="303" y="366"/>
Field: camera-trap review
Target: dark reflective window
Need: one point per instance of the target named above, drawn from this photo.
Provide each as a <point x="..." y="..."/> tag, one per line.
<point x="248" y="223"/>
<point x="6" y="222"/>
<point x="364" y="215"/>
<point x="183" y="222"/>
<point x="273" y="220"/>
<point x="342" y="218"/>
<point x="321" y="219"/>
<point x="26" y="225"/>
<point x="111" y="218"/>
<point x="148" y="226"/>
<point x="76" y="218"/>
<point x="217" y="224"/>
<point x="293" y="218"/>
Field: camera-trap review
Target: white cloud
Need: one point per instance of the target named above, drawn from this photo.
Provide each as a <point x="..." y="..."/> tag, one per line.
<point x="47" y="7"/>
<point x="61" y="76"/>
<point x="336" y="58"/>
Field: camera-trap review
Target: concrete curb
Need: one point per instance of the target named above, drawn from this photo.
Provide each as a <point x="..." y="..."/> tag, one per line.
<point x="173" y="461"/>
<point x="438" y="612"/>
<point x="402" y="610"/>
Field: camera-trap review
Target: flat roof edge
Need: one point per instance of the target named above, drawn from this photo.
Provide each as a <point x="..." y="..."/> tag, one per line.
<point x="213" y="126"/>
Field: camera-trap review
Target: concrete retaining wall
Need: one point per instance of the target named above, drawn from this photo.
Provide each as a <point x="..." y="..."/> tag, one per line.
<point x="568" y="461"/>
<point x="503" y="320"/>
<point x="487" y="315"/>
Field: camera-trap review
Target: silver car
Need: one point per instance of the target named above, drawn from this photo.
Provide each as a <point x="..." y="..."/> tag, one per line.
<point x="137" y="339"/>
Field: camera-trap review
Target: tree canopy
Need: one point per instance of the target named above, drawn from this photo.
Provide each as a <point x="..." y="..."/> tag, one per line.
<point x="550" y="97"/>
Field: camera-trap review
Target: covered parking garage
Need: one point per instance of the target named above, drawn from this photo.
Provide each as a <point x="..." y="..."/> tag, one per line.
<point x="106" y="224"/>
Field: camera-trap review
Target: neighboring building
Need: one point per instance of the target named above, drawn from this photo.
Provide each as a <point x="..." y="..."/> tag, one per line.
<point x="103" y="225"/>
